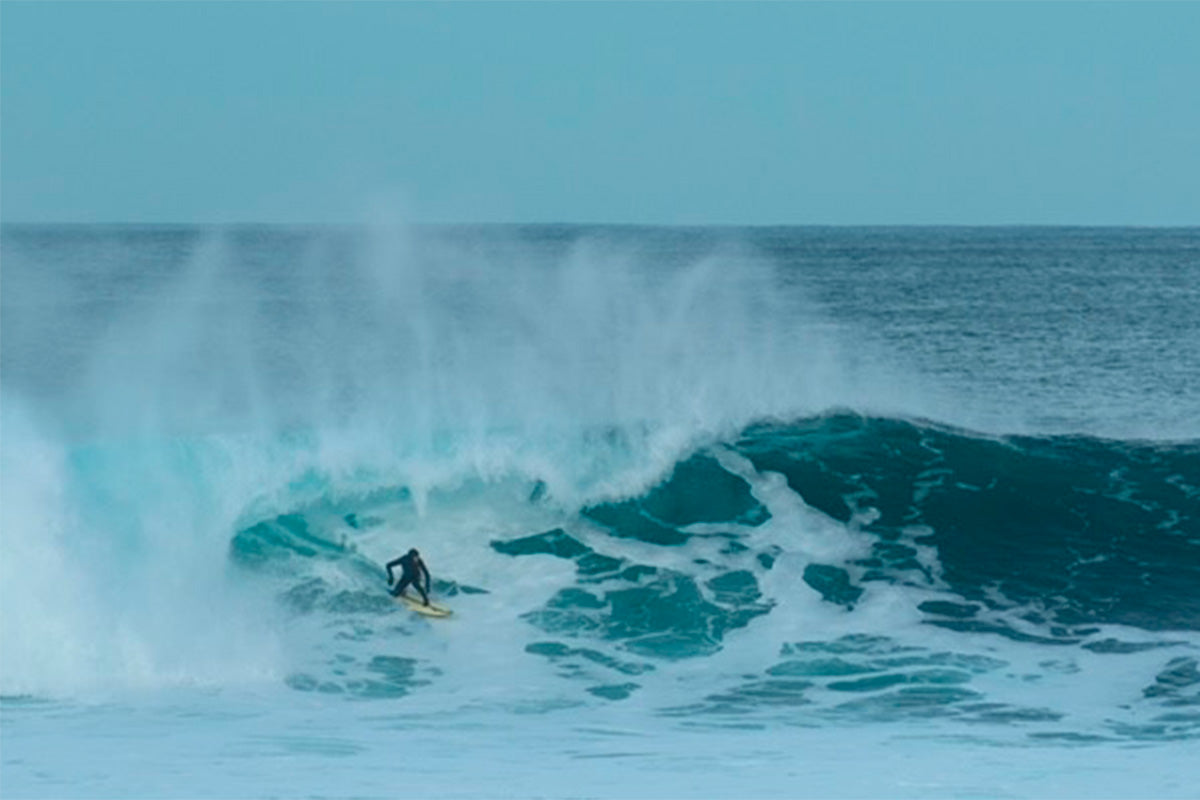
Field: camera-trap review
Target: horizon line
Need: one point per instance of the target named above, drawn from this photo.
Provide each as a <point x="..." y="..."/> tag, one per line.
<point x="579" y="224"/>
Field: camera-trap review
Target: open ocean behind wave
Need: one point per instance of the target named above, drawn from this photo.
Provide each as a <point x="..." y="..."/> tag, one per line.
<point x="902" y="512"/>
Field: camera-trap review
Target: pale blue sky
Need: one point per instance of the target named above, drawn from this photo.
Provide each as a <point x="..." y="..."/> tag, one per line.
<point x="794" y="113"/>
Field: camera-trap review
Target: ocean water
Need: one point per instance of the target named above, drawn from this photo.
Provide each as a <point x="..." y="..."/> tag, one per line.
<point x="721" y="512"/>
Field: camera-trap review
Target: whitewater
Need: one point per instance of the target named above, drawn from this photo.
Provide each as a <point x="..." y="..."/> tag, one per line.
<point x="721" y="512"/>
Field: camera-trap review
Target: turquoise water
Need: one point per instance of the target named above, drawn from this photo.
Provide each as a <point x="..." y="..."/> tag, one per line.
<point x="720" y="512"/>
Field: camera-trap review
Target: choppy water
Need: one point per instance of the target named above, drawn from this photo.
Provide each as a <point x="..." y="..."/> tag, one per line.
<point x="721" y="512"/>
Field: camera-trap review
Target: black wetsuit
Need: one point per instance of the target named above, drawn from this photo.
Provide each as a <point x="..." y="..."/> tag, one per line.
<point x="413" y="570"/>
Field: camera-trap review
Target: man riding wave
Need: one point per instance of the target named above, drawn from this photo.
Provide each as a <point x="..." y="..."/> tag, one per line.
<point x="412" y="571"/>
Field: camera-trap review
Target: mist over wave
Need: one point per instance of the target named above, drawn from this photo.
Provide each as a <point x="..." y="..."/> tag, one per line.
<point x="164" y="386"/>
<point x="621" y="450"/>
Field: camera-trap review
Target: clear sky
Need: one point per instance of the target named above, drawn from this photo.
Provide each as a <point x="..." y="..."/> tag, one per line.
<point x="673" y="113"/>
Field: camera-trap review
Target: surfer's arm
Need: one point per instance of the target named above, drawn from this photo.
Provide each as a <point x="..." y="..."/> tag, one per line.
<point x="428" y="580"/>
<point x="391" y="564"/>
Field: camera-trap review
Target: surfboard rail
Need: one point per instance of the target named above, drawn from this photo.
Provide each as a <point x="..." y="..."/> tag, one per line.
<point x="432" y="610"/>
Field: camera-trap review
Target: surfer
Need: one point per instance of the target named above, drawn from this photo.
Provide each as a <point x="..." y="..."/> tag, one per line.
<point x="412" y="570"/>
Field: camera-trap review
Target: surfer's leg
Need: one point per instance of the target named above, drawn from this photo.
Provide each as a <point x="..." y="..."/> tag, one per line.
<point x="401" y="586"/>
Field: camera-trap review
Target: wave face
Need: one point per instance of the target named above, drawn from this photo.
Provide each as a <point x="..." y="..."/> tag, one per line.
<point x="1082" y="530"/>
<point x="810" y="565"/>
<point x="677" y="468"/>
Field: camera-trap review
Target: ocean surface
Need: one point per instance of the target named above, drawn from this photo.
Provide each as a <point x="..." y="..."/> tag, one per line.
<point x="720" y="512"/>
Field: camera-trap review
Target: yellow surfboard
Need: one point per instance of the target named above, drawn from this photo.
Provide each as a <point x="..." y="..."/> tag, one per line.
<point x="431" y="610"/>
